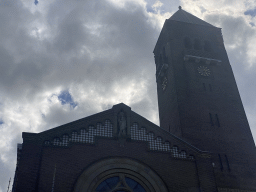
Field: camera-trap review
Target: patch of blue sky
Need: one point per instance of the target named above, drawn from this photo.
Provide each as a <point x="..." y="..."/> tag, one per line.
<point x="1" y="122"/>
<point x="251" y="12"/>
<point x="150" y="9"/>
<point x="66" y="98"/>
<point x="36" y="2"/>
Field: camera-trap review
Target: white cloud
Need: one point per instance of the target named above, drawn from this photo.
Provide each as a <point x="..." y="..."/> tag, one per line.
<point x="157" y="4"/>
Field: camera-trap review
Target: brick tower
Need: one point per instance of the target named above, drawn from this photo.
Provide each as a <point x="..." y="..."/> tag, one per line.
<point x="198" y="97"/>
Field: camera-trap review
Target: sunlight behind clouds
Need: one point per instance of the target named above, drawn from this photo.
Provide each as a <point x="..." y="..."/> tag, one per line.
<point x="157" y="4"/>
<point x="122" y="3"/>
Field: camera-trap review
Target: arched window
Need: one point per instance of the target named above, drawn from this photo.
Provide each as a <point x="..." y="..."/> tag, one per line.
<point x="120" y="183"/>
<point x="207" y="46"/>
<point x="65" y="140"/>
<point x="197" y="44"/>
<point x="187" y="43"/>
<point x="119" y="175"/>
<point x="56" y="141"/>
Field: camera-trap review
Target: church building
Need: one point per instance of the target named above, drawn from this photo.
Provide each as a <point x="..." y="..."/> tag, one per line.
<point x="203" y="144"/>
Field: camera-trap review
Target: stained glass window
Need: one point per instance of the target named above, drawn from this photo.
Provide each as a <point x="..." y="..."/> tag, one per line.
<point x="119" y="184"/>
<point x="108" y="184"/>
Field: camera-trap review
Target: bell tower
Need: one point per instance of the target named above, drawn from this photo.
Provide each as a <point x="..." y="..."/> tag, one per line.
<point x="198" y="98"/>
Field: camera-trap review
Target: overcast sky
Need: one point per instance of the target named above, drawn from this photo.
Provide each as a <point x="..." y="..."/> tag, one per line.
<point x="62" y="60"/>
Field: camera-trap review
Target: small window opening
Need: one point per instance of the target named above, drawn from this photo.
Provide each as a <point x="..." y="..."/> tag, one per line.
<point x="221" y="165"/>
<point x="204" y="86"/>
<point x="197" y="44"/>
<point x="217" y="120"/>
<point x="211" y="119"/>
<point x="187" y="43"/>
<point x="207" y="46"/>
<point x="210" y="87"/>
<point x="227" y="162"/>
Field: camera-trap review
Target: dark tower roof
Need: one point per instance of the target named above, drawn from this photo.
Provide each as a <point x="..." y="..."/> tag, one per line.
<point x="186" y="17"/>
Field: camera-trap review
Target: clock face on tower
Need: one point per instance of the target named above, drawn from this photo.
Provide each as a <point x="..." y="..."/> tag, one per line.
<point x="204" y="71"/>
<point x="164" y="83"/>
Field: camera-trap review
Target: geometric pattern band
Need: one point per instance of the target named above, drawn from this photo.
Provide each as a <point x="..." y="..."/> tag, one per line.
<point x="85" y="136"/>
<point x="106" y="130"/>
<point x="157" y="143"/>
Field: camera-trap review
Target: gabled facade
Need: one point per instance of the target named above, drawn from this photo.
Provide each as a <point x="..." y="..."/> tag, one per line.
<point x="76" y="156"/>
<point x="203" y="143"/>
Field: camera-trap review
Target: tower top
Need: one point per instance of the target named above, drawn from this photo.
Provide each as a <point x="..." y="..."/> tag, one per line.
<point x="184" y="16"/>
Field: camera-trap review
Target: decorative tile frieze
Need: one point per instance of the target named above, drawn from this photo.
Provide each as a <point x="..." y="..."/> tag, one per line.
<point x="157" y="143"/>
<point x="106" y="130"/>
<point x="84" y="135"/>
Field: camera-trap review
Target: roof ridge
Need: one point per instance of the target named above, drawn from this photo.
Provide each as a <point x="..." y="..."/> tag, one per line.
<point x="184" y="16"/>
<point x="183" y="12"/>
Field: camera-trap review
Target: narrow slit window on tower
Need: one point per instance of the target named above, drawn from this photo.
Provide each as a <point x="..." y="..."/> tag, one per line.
<point x="187" y="43"/>
<point x="227" y="162"/>
<point x="221" y="165"/>
<point x="217" y="120"/>
<point x="197" y="44"/>
<point x="211" y="119"/>
<point x="210" y="87"/>
<point x="204" y="86"/>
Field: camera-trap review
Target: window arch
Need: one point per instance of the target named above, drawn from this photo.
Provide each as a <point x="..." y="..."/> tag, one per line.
<point x="119" y="175"/>
<point x="120" y="183"/>
<point x="56" y="141"/>
<point x="187" y="43"/>
<point x="197" y="44"/>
